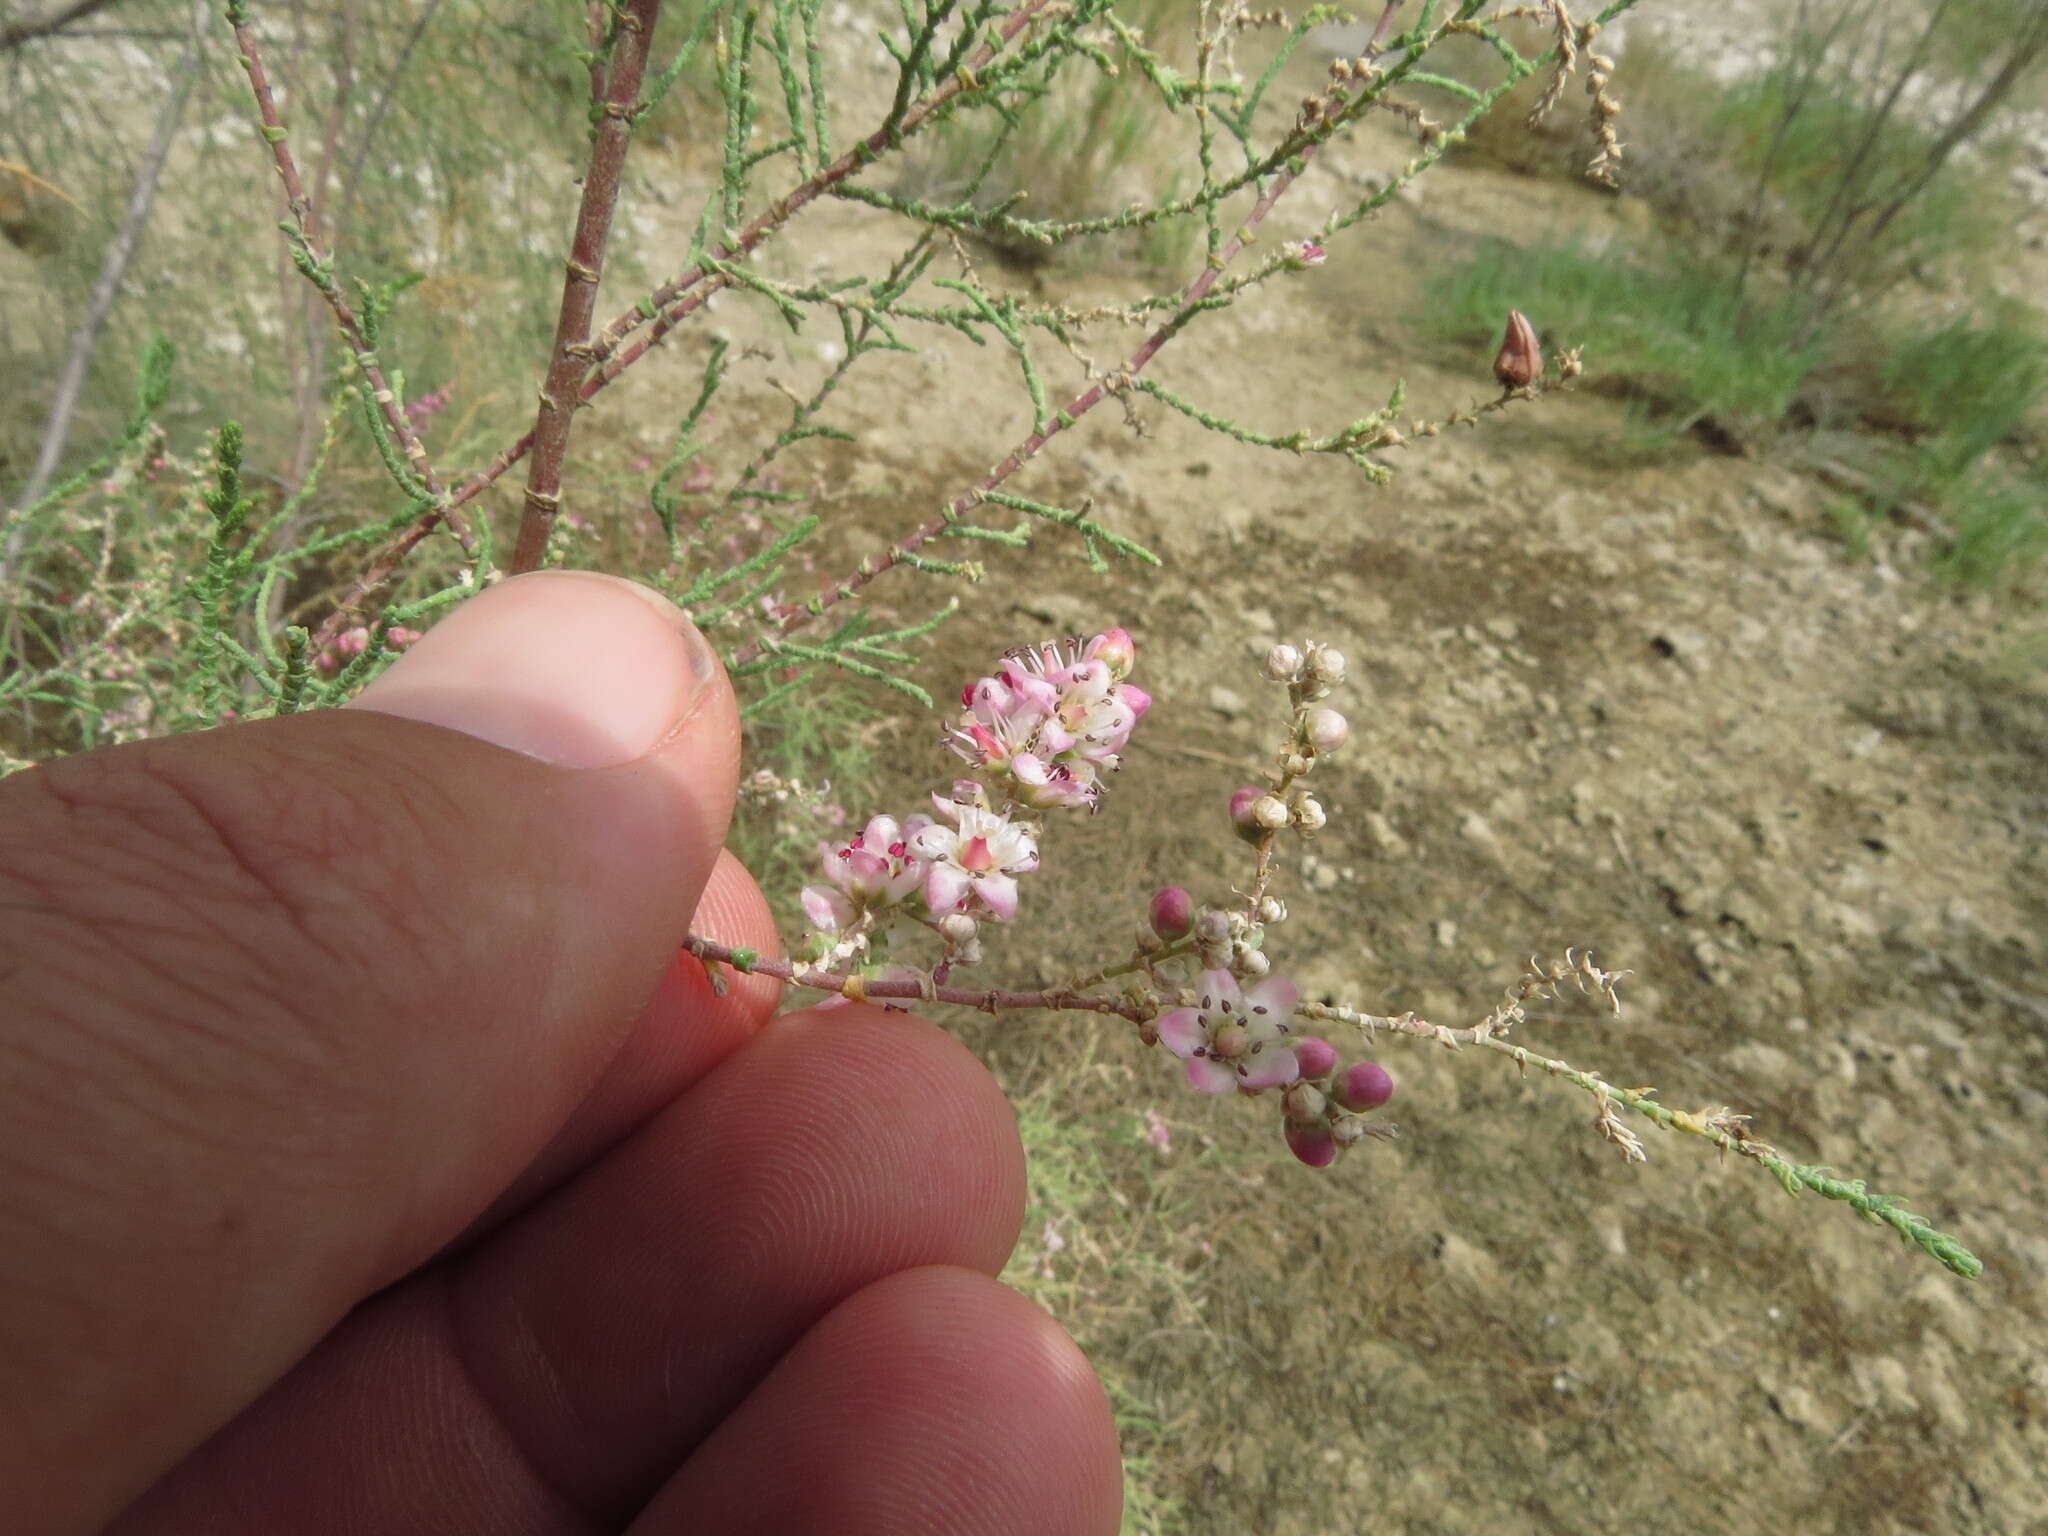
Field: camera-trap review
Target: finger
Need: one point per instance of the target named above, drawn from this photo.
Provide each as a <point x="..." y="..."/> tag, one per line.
<point x="686" y="1029"/>
<point x="937" y="1400"/>
<point x="284" y="1006"/>
<point x="554" y="1377"/>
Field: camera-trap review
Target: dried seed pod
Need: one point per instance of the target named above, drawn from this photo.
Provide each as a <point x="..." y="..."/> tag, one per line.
<point x="1519" y="362"/>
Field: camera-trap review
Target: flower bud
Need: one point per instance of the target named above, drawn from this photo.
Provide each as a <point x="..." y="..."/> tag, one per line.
<point x="1304" y="1101"/>
<point x="1297" y="765"/>
<point x="1316" y="1055"/>
<point x="1364" y="1085"/>
<point x="1116" y="650"/>
<point x="1326" y="666"/>
<point x="1269" y="813"/>
<point x="1213" y="927"/>
<point x="1272" y="910"/>
<point x="1283" y="663"/>
<point x="1173" y="913"/>
<point x="1326" y="730"/>
<point x="1519" y="362"/>
<point x="1348" y="1130"/>
<point x="1310" y="816"/>
<point x="956" y="927"/>
<point x="1313" y="1144"/>
<point x="1253" y="962"/>
<point x="1241" y="803"/>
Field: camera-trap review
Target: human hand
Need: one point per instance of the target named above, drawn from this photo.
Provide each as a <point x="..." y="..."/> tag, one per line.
<point x="370" y="1161"/>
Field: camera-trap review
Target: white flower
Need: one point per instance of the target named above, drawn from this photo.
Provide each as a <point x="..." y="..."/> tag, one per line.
<point x="974" y="862"/>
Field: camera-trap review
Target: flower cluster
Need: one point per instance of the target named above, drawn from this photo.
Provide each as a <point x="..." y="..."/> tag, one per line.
<point x="1044" y="730"/>
<point x="1053" y="720"/>
<point x="1240" y="1040"/>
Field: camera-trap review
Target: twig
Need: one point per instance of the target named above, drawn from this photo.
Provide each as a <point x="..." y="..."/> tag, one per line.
<point x="17" y="33"/>
<point x="569" y="356"/>
<point x="912" y="989"/>
<point x="686" y="293"/>
<point x="300" y="209"/>
<point x="1190" y="305"/>
<point x="127" y="240"/>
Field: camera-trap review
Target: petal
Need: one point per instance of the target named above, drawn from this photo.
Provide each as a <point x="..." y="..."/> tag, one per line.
<point x="1181" y="1031"/>
<point x="1211" y="1076"/>
<point x="826" y="908"/>
<point x="1273" y="1067"/>
<point x="999" y="894"/>
<point x="1274" y="999"/>
<point x="933" y="842"/>
<point x="1221" y="998"/>
<point x="945" y="888"/>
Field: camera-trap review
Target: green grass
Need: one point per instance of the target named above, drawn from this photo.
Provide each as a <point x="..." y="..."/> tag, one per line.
<point x="1668" y="329"/>
<point x="1953" y="410"/>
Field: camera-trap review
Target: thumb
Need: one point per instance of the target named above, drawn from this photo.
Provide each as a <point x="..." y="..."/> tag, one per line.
<point x="282" y="1006"/>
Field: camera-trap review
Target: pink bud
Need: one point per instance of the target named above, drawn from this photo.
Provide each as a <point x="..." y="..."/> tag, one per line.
<point x="1363" y="1086"/>
<point x="398" y="637"/>
<point x="1313" y="1144"/>
<point x="1241" y="804"/>
<point x="1116" y="650"/>
<point x="1316" y="1055"/>
<point x="1173" y="913"/>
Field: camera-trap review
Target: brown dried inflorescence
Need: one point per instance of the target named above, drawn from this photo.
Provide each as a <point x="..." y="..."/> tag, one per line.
<point x="1519" y="363"/>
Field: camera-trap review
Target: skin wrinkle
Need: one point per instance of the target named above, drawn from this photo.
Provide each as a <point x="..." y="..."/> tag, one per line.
<point x="459" y="1355"/>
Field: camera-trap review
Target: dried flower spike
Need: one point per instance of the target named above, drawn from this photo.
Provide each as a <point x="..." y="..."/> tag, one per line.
<point x="1519" y="362"/>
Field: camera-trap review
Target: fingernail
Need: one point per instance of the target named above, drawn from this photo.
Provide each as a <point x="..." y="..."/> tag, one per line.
<point x="571" y="667"/>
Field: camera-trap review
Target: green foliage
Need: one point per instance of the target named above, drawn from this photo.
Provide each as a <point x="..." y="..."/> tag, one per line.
<point x="1086" y="138"/>
<point x="1796" y="133"/>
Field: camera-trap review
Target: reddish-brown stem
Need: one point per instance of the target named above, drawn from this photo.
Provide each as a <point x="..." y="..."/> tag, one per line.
<point x="1075" y="409"/>
<point x="569" y="358"/>
<point x="912" y="989"/>
<point x="300" y="208"/>
<point x="779" y="213"/>
<point x="683" y="295"/>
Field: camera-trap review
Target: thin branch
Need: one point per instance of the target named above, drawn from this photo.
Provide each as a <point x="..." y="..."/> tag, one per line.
<point x="1114" y="383"/>
<point x="315" y="266"/>
<point x="120" y="254"/>
<point x="569" y="357"/>
<point x="17" y="33"/>
<point x="749" y="962"/>
<point x="684" y="295"/>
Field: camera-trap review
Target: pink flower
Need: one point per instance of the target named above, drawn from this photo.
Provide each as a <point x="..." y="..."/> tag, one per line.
<point x="875" y="870"/>
<point x="1053" y="720"/>
<point x="975" y="861"/>
<point x="1228" y="1039"/>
